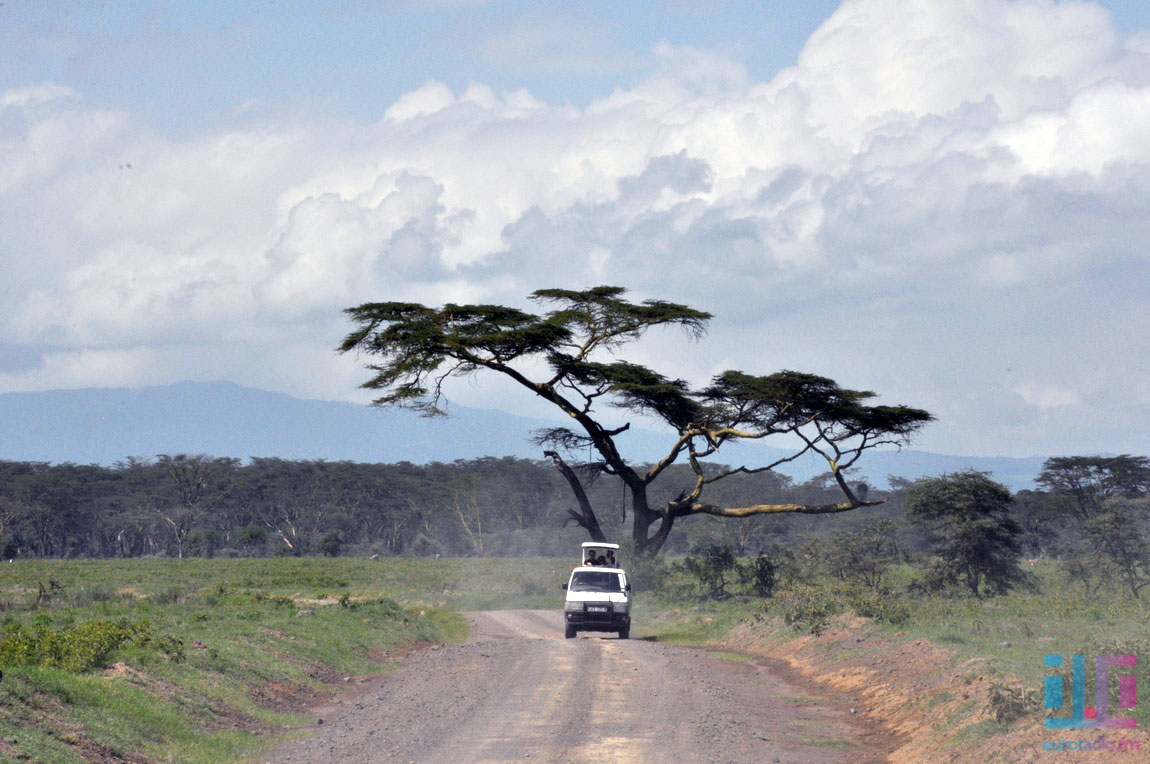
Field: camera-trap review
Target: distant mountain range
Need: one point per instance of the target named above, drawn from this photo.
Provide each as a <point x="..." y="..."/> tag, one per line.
<point x="103" y="426"/>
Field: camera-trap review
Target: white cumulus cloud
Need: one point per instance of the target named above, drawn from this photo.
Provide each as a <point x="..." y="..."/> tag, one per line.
<point x="940" y="201"/>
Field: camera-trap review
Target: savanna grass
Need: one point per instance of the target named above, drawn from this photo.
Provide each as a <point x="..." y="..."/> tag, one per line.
<point x="1003" y="637"/>
<point x="194" y="660"/>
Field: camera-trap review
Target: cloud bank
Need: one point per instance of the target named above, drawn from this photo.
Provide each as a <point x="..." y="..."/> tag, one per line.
<point x="944" y="202"/>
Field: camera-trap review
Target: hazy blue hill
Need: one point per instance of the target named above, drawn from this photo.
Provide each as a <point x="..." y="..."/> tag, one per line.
<point x="220" y="418"/>
<point x="103" y="426"/>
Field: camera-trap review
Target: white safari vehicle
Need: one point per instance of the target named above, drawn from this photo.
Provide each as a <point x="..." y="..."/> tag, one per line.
<point x="598" y="594"/>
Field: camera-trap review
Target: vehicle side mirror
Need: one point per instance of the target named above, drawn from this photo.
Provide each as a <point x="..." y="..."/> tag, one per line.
<point x="628" y="587"/>
<point x="564" y="586"/>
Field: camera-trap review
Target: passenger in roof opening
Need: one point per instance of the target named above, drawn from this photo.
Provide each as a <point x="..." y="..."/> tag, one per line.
<point x="611" y="559"/>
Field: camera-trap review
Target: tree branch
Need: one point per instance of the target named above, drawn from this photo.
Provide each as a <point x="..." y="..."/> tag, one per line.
<point x="586" y="516"/>
<point x="772" y="509"/>
<point x="756" y="470"/>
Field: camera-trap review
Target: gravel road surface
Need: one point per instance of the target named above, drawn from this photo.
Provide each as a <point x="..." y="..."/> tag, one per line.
<point x="517" y="691"/>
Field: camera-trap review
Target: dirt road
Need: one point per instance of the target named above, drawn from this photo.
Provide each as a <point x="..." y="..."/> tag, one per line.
<point x="517" y="691"/>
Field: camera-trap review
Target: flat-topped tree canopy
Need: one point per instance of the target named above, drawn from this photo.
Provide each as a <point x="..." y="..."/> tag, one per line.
<point x="419" y="349"/>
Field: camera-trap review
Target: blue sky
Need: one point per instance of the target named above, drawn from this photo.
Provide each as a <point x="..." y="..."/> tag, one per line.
<point x="944" y="201"/>
<point x="189" y="62"/>
<point x="185" y="63"/>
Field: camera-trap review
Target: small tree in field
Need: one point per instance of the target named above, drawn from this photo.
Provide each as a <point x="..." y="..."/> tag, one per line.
<point x="973" y="537"/>
<point x="1117" y="551"/>
<point x="568" y="357"/>
<point x="864" y="556"/>
<point x="711" y="564"/>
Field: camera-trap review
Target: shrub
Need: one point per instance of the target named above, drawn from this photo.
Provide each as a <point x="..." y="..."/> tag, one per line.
<point x="760" y="574"/>
<point x="645" y="574"/>
<point x="78" y="648"/>
<point x="169" y="595"/>
<point x="89" y="595"/>
<point x="811" y="607"/>
<point x="808" y="607"/>
<point x="203" y="542"/>
<point x="883" y="606"/>
<point x="711" y="565"/>
<point x="775" y="567"/>
<point x="1008" y="703"/>
<point x="331" y="543"/>
<point x="385" y="607"/>
<point x="863" y="557"/>
<point x="249" y="539"/>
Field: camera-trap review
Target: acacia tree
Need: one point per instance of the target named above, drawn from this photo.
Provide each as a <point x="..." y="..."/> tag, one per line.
<point x="418" y="349"/>
<point x="972" y="535"/>
<point x="198" y="481"/>
<point x="1088" y="482"/>
<point x="1117" y="549"/>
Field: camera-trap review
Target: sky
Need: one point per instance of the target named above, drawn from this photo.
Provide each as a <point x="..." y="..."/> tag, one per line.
<point x="943" y="201"/>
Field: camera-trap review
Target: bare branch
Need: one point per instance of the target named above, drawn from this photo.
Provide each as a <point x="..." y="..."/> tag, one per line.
<point x="773" y="509"/>
<point x="670" y="458"/>
<point x="756" y="470"/>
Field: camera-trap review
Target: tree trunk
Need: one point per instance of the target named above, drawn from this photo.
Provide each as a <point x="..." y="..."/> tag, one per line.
<point x="585" y="517"/>
<point x="646" y="543"/>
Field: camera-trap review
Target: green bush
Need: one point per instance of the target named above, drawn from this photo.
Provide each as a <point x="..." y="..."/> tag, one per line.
<point x="811" y="607"/>
<point x="386" y="608"/>
<point x="883" y="606"/>
<point x="645" y="574"/>
<point x="711" y="565"/>
<point x="760" y="574"/>
<point x="79" y="648"/>
<point x="169" y="595"/>
<point x="808" y="607"/>
<point x="331" y="543"/>
<point x="261" y="597"/>
<point x="861" y="557"/>
<point x="96" y="593"/>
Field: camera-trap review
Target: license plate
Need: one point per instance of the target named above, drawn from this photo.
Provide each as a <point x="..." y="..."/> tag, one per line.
<point x="594" y="609"/>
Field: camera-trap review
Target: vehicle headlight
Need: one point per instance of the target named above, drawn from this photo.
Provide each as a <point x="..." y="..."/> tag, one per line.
<point x="621" y="607"/>
<point x="573" y="607"/>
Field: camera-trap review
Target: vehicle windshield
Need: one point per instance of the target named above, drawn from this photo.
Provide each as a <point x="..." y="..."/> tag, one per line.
<point x="595" y="581"/>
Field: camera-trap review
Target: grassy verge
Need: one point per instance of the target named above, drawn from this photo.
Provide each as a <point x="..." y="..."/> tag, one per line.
<point x="956" y="676"/>
<point x="1006" y="636"/>
<point x="192" y="660"/>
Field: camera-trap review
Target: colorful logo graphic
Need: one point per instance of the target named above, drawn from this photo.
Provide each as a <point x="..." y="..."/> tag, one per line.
<point x="1096" y="716"/>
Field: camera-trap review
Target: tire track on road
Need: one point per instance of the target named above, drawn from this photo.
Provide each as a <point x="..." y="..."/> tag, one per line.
<point x="517" y="691"/>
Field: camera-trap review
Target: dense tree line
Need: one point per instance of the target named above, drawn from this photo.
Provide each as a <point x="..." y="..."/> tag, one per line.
<point x="1092" y="510"/>
<point x="964" y="535"/>
<point x="181" y="505"/>
<point x="203" y="505"/>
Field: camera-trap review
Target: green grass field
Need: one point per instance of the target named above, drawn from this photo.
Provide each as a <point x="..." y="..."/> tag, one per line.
<point x="227" y="664"/>
<point x="1005" y="637"/>
<point x="230" y="657"/>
